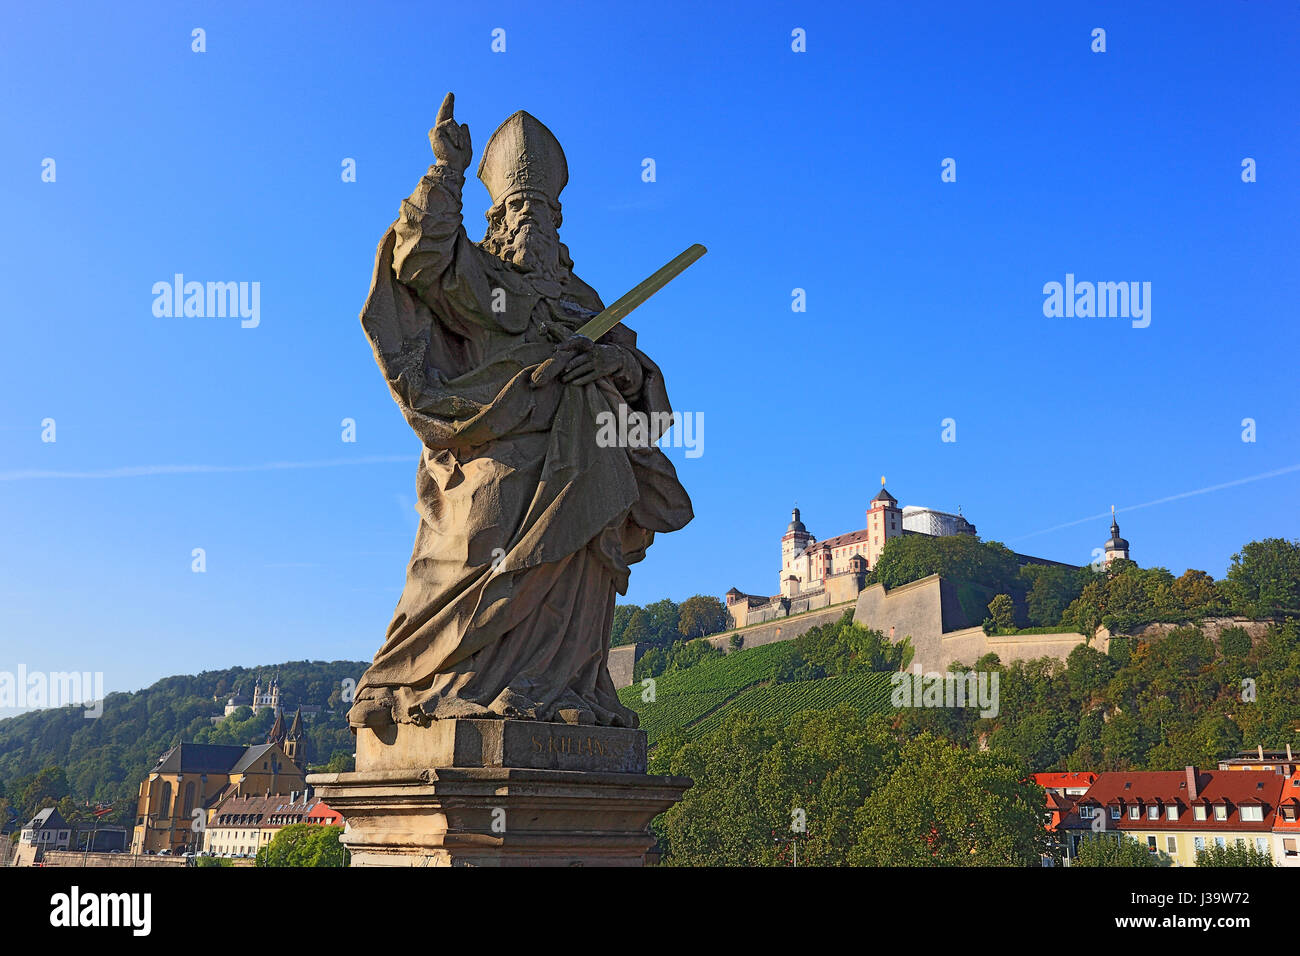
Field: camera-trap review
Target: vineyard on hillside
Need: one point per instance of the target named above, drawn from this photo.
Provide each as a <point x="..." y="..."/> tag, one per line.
<point x="683" y="697"/>
<point x="867" y="693"/>
<point x="700" y="696"/>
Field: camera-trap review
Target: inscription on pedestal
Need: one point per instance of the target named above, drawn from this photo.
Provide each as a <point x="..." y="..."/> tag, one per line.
<point x="562" y="747"/>
<point x="502" y="743"/>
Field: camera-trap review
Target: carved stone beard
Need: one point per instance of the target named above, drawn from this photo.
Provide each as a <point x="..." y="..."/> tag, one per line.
<point x="535" y="250"/>
<point x="532" y="248"/>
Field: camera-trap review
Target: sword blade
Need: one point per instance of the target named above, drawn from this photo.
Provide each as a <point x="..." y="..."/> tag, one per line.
<point x="617" y="312"/>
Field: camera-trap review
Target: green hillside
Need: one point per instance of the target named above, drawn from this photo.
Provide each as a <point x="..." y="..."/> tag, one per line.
<point x="867" y="693"/>
<point x="701" y="696"/>
<point x="58" y="756"/>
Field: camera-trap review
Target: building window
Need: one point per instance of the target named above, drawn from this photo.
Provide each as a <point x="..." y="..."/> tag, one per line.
<point x="1252" y="814"/>
<point x="1198" y="843"/>
<point x="1198" y="813"/>
<point x="1221" y="811"/>
<point x="1134" y="813"/>
<point x="1261" y="844"/>
<point x="1171" y="813"/>
<point x="1153" y="813"/>
<point x="1085" y="813"/>
<point x="1114" y="813"/>
<point x="1289" y="847"/>
<point x="1151" y="844"/>
<point x="1171" y="845"/>
<point x="1221" y="842"/>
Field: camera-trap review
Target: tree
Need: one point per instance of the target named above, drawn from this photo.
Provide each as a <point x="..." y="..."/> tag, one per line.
<point x="304" y="844"/>
<point x="737" y="641"/>
<point x="663" y="619"/>
<point x="1264" y="579"/>
<point x="638" y="628"/>
<point x="945" y="806"/>
<point x="1234" y="642"/>
<point x="651" y="664"/>
<point x="1051" y="590"/>
<point x="1003" y="611"/>
<point x="622" y="615"/>
<point x="839" y="647"/>
<point x="701" y="615"/>
<point x="1101" y="850"/>
<point x="1234" y="854"/>
<point x="340" y="762"/>
<point x="1198" y="594"/>
<point x="761" y="784"/>
<point x="960" y="557"/>
<point x="1088" y="672"/>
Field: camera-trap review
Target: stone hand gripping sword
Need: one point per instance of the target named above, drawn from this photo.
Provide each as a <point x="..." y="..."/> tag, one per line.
<point x="616" y="313"/>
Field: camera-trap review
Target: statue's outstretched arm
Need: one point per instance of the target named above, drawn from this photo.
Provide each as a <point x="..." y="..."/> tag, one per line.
<point x="429" y="224"/>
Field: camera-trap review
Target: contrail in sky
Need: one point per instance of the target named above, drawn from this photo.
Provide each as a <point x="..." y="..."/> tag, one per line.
<point x="143" y="471"/>
<point x="1160" y="501"/>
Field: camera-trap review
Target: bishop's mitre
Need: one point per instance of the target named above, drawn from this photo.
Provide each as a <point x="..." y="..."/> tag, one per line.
<point x="523" y="155"/>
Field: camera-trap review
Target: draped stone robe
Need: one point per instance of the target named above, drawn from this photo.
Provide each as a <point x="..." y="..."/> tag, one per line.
<point x="527" y="526"/>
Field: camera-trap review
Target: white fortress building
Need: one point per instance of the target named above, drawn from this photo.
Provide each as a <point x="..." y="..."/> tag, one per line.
<point x="820" y="574"/>
<point x="807" y="563"/>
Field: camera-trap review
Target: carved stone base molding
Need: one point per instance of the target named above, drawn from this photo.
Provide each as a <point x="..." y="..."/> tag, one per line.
<point x="499" y="793"/>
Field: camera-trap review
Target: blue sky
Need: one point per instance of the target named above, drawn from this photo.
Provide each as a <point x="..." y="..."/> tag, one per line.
<point x="816" y="170"/>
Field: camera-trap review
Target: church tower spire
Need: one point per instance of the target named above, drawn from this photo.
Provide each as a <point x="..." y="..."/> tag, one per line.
<point x="276" y="734"/>
<point x="1116" y="548"/>
<point x="295" y="742"/>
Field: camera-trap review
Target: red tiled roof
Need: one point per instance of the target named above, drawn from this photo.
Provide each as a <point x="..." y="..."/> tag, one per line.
<point x="853" y="537"/>
<point x="251" y="810"/>
<point x="1162" y="788"/>
<point x="1291" y="799"/>
<point x="322" y="812"/>
<point x="1072" y="779"/>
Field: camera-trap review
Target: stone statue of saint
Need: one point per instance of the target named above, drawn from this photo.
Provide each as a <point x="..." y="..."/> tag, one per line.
<point x="528" y="523"/>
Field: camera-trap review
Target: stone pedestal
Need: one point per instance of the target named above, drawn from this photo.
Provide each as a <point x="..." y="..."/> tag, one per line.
<point x="499" y="793"/>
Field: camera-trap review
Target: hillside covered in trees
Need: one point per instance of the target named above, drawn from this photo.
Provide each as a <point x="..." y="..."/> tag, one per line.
<point x="943" y="786"/>
<point x="1263" y="581"/>
<point x="61" y="757"/>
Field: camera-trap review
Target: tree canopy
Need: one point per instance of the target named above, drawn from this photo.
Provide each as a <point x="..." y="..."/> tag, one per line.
<point x="304" y="844"/>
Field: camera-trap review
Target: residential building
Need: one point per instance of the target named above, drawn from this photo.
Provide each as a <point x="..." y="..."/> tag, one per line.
<point x="1286" y="825"/>
<point x="47" y="831"/>
<point x="1277" y="761"/>
<point x="1177" y="813"/>
<point x="1064" y="790"/>
<point x="241" y="825"/>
